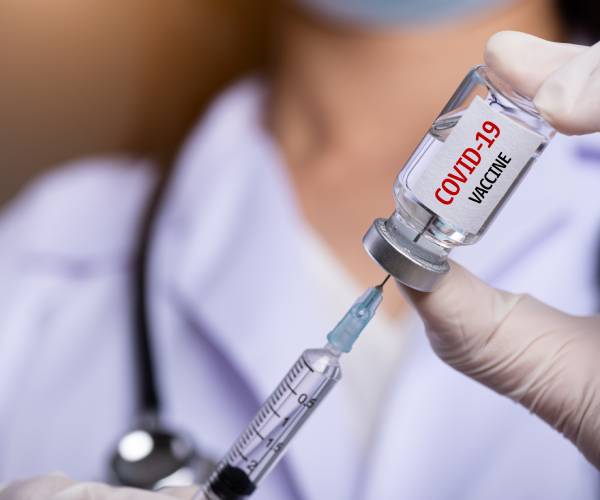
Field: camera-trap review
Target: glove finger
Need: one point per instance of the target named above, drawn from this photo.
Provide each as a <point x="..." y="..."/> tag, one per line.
<point x="525" y="61"/>
<point x="100" y="491"/>
<point x="570" y="96"/>
<point x="37" y="488"/>
<point x="514" y="344"/>
<point x="185" y="493"/>
<point x="460" y="315"/>
<point x="550" y="365"/>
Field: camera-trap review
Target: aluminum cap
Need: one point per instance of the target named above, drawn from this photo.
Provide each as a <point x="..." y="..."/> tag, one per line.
<point x="405" y="260"/>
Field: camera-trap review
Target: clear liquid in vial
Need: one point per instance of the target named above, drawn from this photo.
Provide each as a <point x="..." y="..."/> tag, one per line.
<point x="417" y="216"/>
<point x="421" y="218"/>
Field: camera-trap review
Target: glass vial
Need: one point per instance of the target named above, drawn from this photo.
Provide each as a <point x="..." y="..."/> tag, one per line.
<point x="457" y="179"/>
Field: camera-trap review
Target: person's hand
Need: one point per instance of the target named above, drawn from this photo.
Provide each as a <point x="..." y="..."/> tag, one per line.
<point x="563" y="79"/>
<point x="542" y="358"/>
<point x="60" y="487"/>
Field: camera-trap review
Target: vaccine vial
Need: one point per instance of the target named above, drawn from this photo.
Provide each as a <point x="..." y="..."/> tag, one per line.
<point x="457" y="179"/>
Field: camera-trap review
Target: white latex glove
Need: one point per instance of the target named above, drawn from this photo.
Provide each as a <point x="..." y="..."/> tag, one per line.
<point x="563" y="79"/>
<point x="542" y="358"/>
<point x="60" y="487"/>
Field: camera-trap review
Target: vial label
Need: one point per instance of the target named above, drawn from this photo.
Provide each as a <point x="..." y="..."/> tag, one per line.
<point x="475" y="168"/>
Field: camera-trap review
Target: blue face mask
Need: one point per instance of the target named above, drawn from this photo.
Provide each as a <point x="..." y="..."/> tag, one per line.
<point x="397" y="12"/>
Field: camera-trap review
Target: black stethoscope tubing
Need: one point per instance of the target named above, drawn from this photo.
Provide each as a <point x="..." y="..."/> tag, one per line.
<point x="149" y="402"/>
<point x="172" y="451"/>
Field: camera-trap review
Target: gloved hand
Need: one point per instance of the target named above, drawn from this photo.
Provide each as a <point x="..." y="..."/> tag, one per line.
<point x="540" y="357"/>
<point x="60" y="487"/>
<point x="545" y="359"/>
<point x="563" y="79"/>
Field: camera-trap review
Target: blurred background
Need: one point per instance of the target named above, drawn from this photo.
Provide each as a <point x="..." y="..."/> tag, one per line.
<point x="103" y="76"/>
<point x="83" y="78"/>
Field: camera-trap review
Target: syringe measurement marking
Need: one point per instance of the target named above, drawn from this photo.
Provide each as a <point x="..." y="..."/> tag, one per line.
<point x="307" y="365"/>
<point x="273" y="409"/>
<point x="243" y="441"/>
<point x="290" y="387"/>
<point x="292" y="375"/>
<point x="284" y="437"/>
<point x="245" y="437"/>
<point x="256" y="431"/>
<point x="238" y="449"/>
<point x="261" y="417"/>
<point x="278" y="394"/>
<point x="280" y="442"/>
<point x="296" y="369"/>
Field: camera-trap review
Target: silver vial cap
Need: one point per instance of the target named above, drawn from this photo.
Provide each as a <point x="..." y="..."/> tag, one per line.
<point x="398" y="250"/>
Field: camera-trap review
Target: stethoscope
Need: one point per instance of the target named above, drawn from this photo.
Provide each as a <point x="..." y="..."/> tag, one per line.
<point x="151" y="455"/>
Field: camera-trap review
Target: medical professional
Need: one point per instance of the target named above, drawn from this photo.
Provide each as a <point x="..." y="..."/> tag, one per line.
<point x="241" y="282"/>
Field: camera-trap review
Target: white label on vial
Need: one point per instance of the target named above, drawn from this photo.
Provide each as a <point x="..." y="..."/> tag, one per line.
<point x="476" y="166"/>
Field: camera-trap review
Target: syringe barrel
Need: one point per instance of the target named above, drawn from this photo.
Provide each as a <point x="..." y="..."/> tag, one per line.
<point x="264" y="442"/>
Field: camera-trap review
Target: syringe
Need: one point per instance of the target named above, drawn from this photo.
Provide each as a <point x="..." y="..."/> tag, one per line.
<point x="264" y="442"/>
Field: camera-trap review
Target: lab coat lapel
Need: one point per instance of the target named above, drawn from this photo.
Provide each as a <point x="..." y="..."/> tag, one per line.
<point x="239" y="272"/>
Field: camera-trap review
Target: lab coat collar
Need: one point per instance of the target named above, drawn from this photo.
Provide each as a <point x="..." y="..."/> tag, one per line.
<point x="232" y="228"/>
<point x="81" y="214"/>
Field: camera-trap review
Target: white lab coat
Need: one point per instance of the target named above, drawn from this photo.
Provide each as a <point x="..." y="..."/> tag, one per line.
<point x="232" y="308"/>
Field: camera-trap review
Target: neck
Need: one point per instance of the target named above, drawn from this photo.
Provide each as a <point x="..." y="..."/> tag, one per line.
<point x="348" y="107"/>
<point x="376" y="92"/>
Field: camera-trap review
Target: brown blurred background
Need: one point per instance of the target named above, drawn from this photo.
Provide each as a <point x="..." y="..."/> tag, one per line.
<point x="100" y="76"/>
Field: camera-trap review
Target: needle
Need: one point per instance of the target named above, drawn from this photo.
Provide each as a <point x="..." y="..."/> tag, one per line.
<point x="380" y="286"/>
